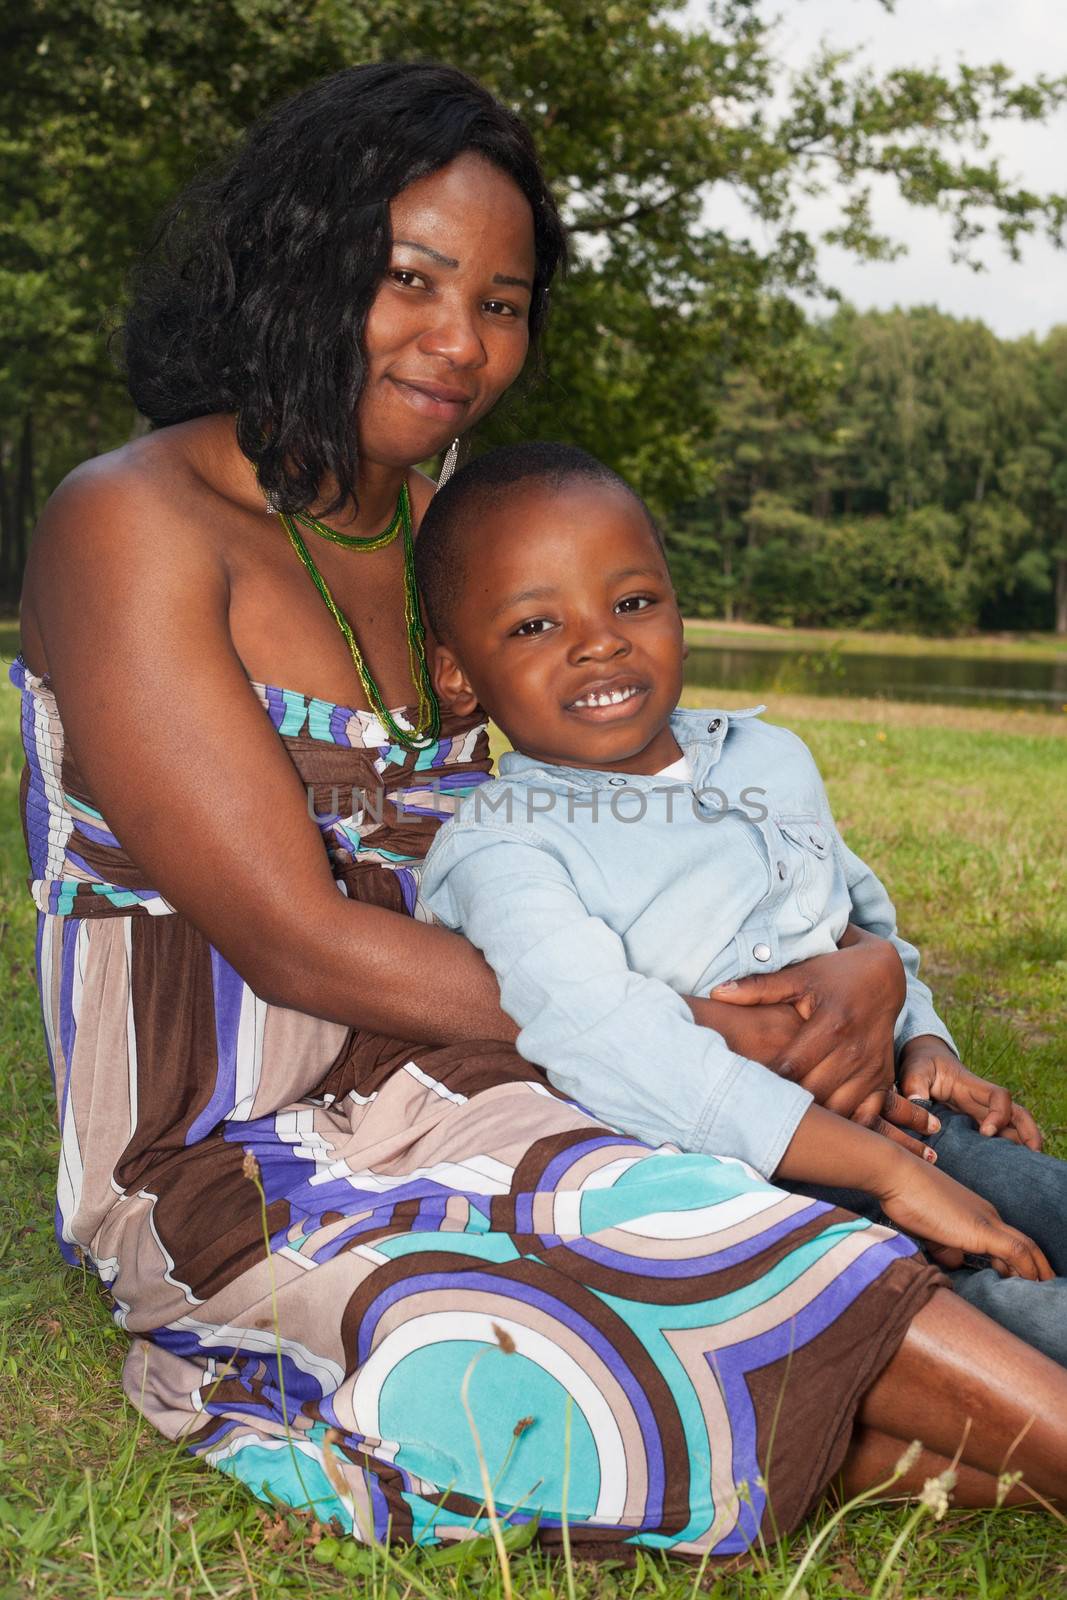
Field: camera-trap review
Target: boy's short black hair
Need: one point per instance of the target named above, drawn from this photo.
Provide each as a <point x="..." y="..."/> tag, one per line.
<point x="450" y="524"/>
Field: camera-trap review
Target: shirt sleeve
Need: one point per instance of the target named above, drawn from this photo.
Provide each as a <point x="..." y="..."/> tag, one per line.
<point x="623" y="1046"/>
<point x="873" y="910"/>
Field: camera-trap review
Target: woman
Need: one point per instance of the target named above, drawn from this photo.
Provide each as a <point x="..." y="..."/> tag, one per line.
<point x="211" y="754"/>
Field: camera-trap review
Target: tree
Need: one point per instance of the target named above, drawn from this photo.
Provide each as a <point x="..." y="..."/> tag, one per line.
<point x="1047" y="478"/>
<point x="109" y="105"/>
<point x="919" y="484"/>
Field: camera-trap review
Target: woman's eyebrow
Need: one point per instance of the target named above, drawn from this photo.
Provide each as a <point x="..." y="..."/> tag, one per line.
<point x="450" y="261"/>
<point x="424" y="249"/>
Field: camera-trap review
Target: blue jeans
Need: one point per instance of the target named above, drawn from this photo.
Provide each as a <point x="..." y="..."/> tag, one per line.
<point x="1029" y="1189"/>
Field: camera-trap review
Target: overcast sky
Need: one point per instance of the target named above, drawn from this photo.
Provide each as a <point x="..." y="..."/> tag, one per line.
<point x="1030" y="36"/>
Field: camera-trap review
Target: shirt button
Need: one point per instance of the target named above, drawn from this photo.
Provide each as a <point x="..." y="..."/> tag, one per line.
<point x="762" y="952"/>
<point x="781" y="870"/>
<point x="715" y="724"/>
<point x="617" y="782"/>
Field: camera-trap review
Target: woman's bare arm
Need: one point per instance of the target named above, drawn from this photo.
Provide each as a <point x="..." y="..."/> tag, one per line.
<point x="131" y="607"/>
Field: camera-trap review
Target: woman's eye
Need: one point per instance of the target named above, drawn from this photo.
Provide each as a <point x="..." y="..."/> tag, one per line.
<point x="531" y="629"/>
<point x="634" y="602"/>
<point x="500" y="308"/>
<point x="406" y="277"/>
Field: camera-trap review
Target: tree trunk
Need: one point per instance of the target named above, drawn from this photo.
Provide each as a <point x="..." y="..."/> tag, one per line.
<point x="6" y="529"/>
<point x="16" y="508"/>
<point x="1061" y="594"/>
<point x="24" y="517"/>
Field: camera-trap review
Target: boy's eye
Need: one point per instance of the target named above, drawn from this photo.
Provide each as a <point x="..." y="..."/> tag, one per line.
<point x="531" y="628"/>
<point x="634" y="602"/>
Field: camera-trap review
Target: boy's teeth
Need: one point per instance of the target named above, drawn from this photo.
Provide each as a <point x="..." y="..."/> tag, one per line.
<point x="613" y="698"/>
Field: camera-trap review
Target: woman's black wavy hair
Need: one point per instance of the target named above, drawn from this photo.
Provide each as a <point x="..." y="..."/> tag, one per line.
<point x="254" y="293"/>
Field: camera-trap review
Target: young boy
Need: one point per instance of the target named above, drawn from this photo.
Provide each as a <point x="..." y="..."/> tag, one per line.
<point x="632" y="854"/>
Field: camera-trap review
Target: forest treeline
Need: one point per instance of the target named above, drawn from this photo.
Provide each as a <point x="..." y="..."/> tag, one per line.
<point x="904" y="470"/>
<point x="921" y="485"/>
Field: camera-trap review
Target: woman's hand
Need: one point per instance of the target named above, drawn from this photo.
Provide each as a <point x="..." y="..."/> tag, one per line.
<point x="769" y="1033"/>
<point x="843" y="1053"/>
<point x="929" y="1070"/>
<point x="764" y="1033"/>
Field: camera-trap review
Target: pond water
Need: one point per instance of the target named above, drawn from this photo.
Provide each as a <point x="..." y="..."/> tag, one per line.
<point x="948" y="680"/>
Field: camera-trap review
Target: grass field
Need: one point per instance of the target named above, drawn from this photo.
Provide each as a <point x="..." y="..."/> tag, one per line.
<point x="855" y="641"/>
<point x="961" y="812"/>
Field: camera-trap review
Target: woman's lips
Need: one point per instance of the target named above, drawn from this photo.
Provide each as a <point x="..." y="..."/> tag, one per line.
<point x="446" y="404"/>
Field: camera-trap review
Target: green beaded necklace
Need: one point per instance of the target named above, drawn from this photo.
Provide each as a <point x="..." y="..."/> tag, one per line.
<point x="353" y="541"/>
<point x="428" y="721"/>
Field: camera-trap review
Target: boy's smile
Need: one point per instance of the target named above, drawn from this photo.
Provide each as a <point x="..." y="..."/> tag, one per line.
<point x="566" y="629"/>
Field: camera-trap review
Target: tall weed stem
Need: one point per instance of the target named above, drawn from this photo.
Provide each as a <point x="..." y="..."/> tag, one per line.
<point x="487" y="1483"/>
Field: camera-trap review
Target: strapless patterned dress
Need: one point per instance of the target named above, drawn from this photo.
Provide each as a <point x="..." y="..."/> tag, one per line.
<point x="312" y="1234"/>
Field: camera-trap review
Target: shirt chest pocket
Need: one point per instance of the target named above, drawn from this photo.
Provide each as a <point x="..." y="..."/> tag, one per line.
<point x="808" y="859"/>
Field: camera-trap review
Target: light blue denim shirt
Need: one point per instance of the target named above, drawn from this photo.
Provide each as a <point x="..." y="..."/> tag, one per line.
<point x="600" y="899"/>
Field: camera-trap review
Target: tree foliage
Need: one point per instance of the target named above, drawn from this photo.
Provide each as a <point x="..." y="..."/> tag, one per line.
<point x="923" y="488"/>
<point x="108" y="106"/>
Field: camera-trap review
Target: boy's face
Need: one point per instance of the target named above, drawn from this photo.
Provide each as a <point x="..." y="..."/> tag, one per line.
<point x="567" y="631"/>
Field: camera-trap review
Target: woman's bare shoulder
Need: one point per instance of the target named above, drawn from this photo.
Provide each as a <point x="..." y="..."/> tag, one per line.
<point x="137" y="508"/>
<point x="158" y="475"/>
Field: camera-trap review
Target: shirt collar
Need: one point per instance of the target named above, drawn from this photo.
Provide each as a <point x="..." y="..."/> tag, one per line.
<point x="700" y="734"/>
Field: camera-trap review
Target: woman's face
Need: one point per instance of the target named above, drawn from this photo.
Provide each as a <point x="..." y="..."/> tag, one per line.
<point x="448" y="330"/>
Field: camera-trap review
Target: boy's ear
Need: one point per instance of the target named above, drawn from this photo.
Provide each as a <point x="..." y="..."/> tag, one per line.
<point x="451" y="682"/>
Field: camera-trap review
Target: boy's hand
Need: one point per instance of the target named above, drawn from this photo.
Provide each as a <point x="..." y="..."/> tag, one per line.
<point x="917" y="1197"/>
<point x="953" y="1222"/>
<point x="929" y="1070"/>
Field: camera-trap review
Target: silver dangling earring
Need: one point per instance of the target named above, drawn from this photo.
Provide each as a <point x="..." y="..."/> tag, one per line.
<point x="274" y="505"/>
<point x="448" y="465"/>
